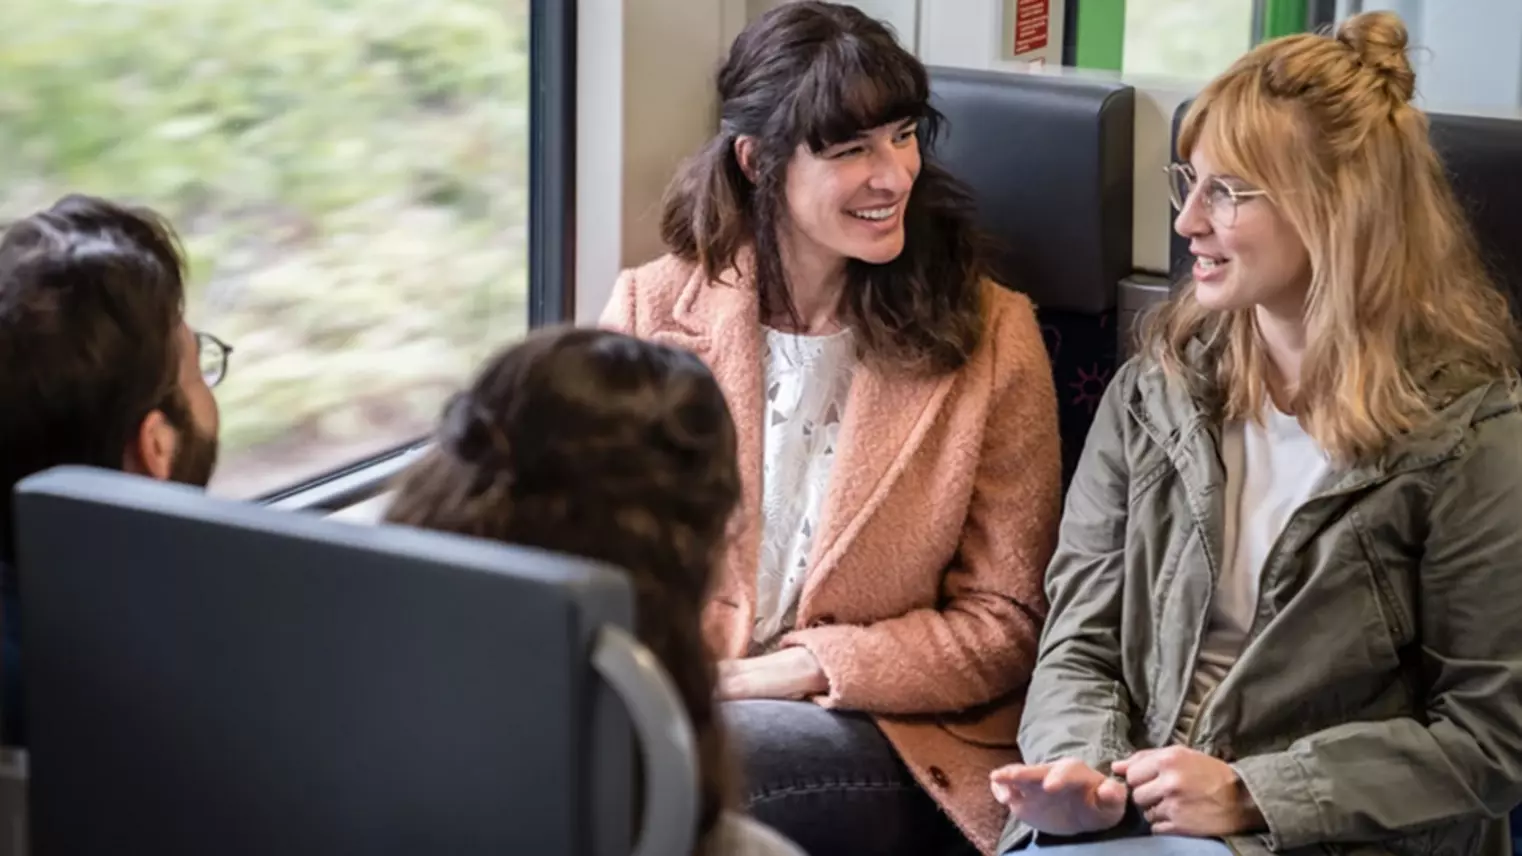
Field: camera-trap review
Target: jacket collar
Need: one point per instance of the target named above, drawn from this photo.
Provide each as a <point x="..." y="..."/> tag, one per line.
<point x="1177" y="420"/>
<point x="888" y="414"/>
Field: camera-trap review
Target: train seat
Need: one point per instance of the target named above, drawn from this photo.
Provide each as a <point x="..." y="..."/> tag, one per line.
<point x="205" y="676"/>
<point x="1484" y="160"/>
<point x="1050" y="161"/>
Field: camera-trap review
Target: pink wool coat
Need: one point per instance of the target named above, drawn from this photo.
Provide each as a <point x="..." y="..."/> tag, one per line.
<point x="924" y="599"/>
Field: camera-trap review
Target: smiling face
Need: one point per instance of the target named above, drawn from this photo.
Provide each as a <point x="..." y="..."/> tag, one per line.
<point x="847" y="201"/>
<point x="1246" y="253"/>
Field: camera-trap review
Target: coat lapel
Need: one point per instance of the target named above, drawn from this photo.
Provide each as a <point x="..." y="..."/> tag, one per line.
<point x="720" y="323"/>
<point x="887" y="416"/>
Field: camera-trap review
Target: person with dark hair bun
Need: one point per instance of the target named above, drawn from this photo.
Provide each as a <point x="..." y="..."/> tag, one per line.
<point x="595" y="444"/>
<point x="878" y="615"/>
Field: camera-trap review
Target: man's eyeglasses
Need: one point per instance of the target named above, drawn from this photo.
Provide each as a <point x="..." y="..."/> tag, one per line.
<point x="213" y="353"/>
<point x="1221" y="198"/>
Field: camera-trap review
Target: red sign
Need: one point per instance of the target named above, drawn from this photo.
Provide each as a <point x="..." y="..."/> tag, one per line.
<point x="1032" y="25"/>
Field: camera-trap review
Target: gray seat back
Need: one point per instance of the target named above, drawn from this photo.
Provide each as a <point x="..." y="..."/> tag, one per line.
<point x="212" y="677"/>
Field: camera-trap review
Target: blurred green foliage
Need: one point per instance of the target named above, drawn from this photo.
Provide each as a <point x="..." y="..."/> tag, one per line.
<point x="349" y="178"/>
<point x="1192" y="40"/>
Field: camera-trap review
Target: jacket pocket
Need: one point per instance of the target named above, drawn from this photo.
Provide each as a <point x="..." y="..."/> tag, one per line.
<point x="995" y="725"/>
<point x="1392" y="583"/>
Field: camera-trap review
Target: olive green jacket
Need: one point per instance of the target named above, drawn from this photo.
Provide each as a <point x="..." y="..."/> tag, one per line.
<point x="1376" y="707"/>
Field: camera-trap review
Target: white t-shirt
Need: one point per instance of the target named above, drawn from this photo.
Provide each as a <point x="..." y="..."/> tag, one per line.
<point x="1271" y="470"/>
<point x="808" y="379"/>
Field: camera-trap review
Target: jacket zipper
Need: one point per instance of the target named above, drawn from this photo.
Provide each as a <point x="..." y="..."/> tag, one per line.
<point x="1255" y="631"/>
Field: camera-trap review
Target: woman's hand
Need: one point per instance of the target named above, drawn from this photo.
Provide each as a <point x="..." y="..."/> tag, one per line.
<point x="792" y="673"/>
<point x="1184" y="792"/>
<point x="1064" y="798"/>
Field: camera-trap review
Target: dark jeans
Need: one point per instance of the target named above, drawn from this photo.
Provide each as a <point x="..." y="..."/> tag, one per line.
<point x="833" y="784"/>
<point x="1147" y="846"/>
<point x="1131" y="837"/>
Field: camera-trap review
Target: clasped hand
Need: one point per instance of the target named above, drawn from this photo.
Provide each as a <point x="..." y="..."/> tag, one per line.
<point x="791" y="673"/>
<point x="1179" y="791"/>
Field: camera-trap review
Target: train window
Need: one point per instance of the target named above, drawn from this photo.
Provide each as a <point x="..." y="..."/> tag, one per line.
<point x="349" y="178"/>
<point x="1188" y="39"/>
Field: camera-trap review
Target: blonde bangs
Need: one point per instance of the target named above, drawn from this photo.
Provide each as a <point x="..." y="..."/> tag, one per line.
<point x="1237" y="127"/>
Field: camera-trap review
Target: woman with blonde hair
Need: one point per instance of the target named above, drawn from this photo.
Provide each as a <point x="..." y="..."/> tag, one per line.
<point x="1284" y="595"/>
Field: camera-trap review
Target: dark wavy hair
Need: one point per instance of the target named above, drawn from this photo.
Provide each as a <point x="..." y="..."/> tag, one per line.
<point x="819" y="74"/>
<point x="92" y="294"/>
<point x="600" y="445"/>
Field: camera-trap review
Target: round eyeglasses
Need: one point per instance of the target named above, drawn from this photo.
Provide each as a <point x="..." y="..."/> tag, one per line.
<point x="213" y="353"/>
<point x="1221" y="199"/>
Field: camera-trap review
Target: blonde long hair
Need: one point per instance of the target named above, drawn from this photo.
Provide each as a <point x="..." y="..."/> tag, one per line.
<point x="1401" y="313"/>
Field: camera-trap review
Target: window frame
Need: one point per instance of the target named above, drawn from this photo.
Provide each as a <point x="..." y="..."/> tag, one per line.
<point x="551" y="240"/>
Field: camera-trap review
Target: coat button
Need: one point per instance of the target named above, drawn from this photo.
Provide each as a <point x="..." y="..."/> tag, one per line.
<point x="938" y="776"/>
<point x="823" y="620"/>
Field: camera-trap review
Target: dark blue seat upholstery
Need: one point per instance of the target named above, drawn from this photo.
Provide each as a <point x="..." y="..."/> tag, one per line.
<point x="1484" y="160"/>
<point x="1050" y="160"/>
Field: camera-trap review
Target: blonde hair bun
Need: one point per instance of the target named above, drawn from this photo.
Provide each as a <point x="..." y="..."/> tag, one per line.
<point x="1379" y="39"/>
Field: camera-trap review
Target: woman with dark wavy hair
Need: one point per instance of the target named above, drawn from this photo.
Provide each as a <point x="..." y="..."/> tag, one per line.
<point x="599" y="445"/>
<point x="897" y="435"/>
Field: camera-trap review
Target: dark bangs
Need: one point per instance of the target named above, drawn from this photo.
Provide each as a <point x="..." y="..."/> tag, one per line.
<point x="853" y="86"/>
<point x="815" y="74"/>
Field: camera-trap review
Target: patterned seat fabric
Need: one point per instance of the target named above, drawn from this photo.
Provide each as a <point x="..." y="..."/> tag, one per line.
<point x="1050" y="160"/>
<point x="1083" y="349"/>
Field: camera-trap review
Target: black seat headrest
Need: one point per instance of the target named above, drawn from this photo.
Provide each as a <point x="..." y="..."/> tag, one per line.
<point x="1050" y="160"/>
<point x="1484" y="160"/>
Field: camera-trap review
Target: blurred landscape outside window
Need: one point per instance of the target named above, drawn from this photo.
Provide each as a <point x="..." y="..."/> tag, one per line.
<point x="1185" y="39"/>
<point x="349" y="178"/>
